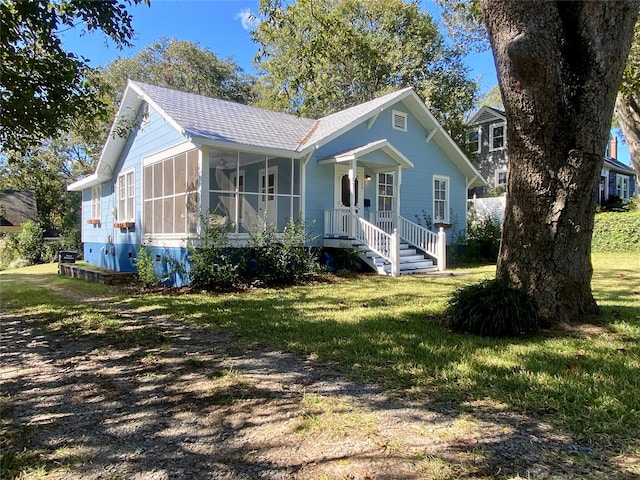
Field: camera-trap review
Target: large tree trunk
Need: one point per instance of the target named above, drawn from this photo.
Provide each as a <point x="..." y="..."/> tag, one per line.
<point x="559" y="64"/>
<point x="628" y="114"/>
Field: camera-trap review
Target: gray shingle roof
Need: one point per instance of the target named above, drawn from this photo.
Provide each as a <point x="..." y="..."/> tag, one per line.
<point x="222" y="120"/>
<point x="216" y="119"/>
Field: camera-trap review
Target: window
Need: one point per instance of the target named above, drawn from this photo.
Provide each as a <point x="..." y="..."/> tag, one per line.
<point x="96" y="202"/>
<point x="441" y="199"/>
<point x="473" y="140"/>
<point x="171" y="195"/>
<point x="126" y="197"/>
<point x="622" y="186"/>
<point x="497" y="136"/>
<point x="237" y="183"/>
<point x="501" y="178"/>
<point x="399" y="120"/>
<point x="385" y="192"/>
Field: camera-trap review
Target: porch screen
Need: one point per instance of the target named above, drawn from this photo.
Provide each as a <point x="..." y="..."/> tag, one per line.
<point x="171" y="195"/>
<point x="249" y="191"/>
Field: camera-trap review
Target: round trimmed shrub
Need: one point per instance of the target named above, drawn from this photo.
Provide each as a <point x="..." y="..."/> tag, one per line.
<point x="492" y="308"/>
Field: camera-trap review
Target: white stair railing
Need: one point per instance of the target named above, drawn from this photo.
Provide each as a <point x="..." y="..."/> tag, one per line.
<point x="432" y="243"/>
<point x="380" y="242"/>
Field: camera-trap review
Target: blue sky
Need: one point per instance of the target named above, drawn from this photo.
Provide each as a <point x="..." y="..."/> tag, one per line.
<point x="223" y="27"/>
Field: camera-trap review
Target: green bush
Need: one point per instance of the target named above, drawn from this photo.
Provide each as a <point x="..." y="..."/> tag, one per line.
<point x="213" y="262"/>
<point x="146" y="269"/>
<point x="616" y="231"/>
<point x="492" y="308"/>
<point x="24" y="248"/>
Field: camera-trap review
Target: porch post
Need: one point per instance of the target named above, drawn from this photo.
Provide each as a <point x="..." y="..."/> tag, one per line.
<point x="352" y="196"/>
<point x="395" y="253"/>
<point x="442" y="250"/>
<point x="396" y="210"/>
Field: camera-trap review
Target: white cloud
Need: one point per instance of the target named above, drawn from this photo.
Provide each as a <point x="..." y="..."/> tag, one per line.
<point x="247" y="19"/>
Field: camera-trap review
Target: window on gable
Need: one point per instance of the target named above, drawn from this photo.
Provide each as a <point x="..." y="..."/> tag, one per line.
<point x="126" y="197"/>
<point x="399" y="120"/>
<point x="441" y="199"/>
<point x="473" y="140"/>
<point x="385" y="192"/>
<point x="497" y="136"/>
<point x="96" y="201"/>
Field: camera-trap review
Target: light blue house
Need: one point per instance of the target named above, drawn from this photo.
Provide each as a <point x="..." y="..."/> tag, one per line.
<point x="362" y="176"/>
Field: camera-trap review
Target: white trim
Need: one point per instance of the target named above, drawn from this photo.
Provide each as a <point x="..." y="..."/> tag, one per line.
<point x="119" y="214"/>
<point x="497" y="177"/>
<point x="492" y="127"/>
<point x="477" y="130"/>
<point x="168" y="152"/>
<point x="399" y="114"/>
<point x="96" y="201"/>
<point x="447" y="199"/>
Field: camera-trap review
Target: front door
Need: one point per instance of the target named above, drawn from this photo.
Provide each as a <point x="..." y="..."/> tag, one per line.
<point x="342" y="188"/>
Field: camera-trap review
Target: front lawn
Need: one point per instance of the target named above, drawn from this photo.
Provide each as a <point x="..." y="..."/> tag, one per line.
<point x="584" y="382"/>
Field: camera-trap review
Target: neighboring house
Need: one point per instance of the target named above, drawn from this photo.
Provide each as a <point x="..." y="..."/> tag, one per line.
<point x="487" y="140"/>
<point x="17" y="207"/>
<point x="357" y="175"/>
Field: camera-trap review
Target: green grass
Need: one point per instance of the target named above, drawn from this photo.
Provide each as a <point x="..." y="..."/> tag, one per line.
<point x="385" y="330"/>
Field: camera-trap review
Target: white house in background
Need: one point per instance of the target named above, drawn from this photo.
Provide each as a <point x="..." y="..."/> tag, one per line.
<point x="360" y="175"/>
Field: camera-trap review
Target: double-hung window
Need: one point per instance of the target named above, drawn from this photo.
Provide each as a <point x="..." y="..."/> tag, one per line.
<point x="96" y="202"/>
<point x="385" y="192"/>
<point x="501" y="178"/>
<point x="126" y="197"/>
<point x="441" y="199"/>
<point x="473" y="140"/>
<point x="622" y="186"/>
<point x="497" y="138"/>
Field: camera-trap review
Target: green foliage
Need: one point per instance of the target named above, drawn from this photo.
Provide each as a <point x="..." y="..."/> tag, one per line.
<point x="616" y="231"/>
<point x="492" y="308"/>
<point x="146" y="269"/>
<point x="483" y="238"/>
<point x="26" y="247"/>
<point x="496" y="191"/>
<point x="317" y="57"/>
<point x="43" y="87"/>
<point x="267" y="259"/>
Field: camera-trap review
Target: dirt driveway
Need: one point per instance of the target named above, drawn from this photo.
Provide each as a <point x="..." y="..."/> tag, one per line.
<point x="189" y="403"/>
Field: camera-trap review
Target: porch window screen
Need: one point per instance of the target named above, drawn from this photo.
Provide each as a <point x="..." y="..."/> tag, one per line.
<point x="385" y="192"/>
<point x="441" y="199"/>
<point x="249" y="191"/>
<point x="126" y="197"/>
<point x="171" y="195"/>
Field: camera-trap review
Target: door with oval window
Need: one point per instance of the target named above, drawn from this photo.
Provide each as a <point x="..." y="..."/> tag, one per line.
<point x="343" y="188"/>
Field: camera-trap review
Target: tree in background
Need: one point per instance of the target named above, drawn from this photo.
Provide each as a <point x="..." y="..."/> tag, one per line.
<point x="184" y="66"/>
<point x="627" y="109"/>
<point x="559" y="64"/>
<point x="320" y="56"/>
<point x="44" y="88"/>
<point x="50" y="165"/>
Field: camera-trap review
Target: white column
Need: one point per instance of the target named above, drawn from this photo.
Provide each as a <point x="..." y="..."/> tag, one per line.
<point x="395" y="253"/>
<point x="396" y="210"/>
<point x="442" y="250"/>
<point x="352" y="196"/>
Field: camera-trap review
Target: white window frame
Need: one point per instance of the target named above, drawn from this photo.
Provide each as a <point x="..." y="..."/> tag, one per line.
<point x="498" y="172"/>
<point x="622" y="186"/>
<point x="493" y="127"/>
<point x="128" y="203"/>
<point x="478" y="132"/>
<point x="398" y="114"/>
<point x="385" y="195"/>
<point x="239" y="198"/>
<point x="441" y="178"/>
<point x="96" y="202"/>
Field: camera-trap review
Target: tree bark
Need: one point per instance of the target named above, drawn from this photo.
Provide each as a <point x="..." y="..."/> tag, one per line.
<point x="627" y="111"/>
<point x="559" y="65"/>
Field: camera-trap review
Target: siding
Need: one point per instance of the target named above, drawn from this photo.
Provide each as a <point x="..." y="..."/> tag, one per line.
<point x="155" y="135"/>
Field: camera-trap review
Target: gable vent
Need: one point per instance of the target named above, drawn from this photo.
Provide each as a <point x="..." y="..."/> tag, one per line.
<point x="400" y="121"/>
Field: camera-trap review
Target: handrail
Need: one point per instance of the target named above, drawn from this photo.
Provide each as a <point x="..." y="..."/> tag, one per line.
<point x="419" y="236"/>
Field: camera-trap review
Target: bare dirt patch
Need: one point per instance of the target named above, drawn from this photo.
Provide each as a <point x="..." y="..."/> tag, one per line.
<point x="188" y="402"/>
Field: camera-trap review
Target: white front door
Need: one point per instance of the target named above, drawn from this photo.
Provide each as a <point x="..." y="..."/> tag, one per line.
<point x="342" y="188"/>
<point x="269" y="196"/>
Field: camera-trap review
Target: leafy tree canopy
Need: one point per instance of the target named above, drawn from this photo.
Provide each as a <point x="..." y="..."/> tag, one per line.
<point x="320" y="56"/>
<point x="43" y="88"/>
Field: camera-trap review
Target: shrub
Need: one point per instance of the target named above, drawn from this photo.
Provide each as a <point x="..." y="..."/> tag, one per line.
<point x="483" y="238"/>
<point x="146" y="269"/>
<point x="616" y="231"/>
<point x="26" y="247"/>
<point x="492" y="308"/>
<point x="213" y="262"/>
